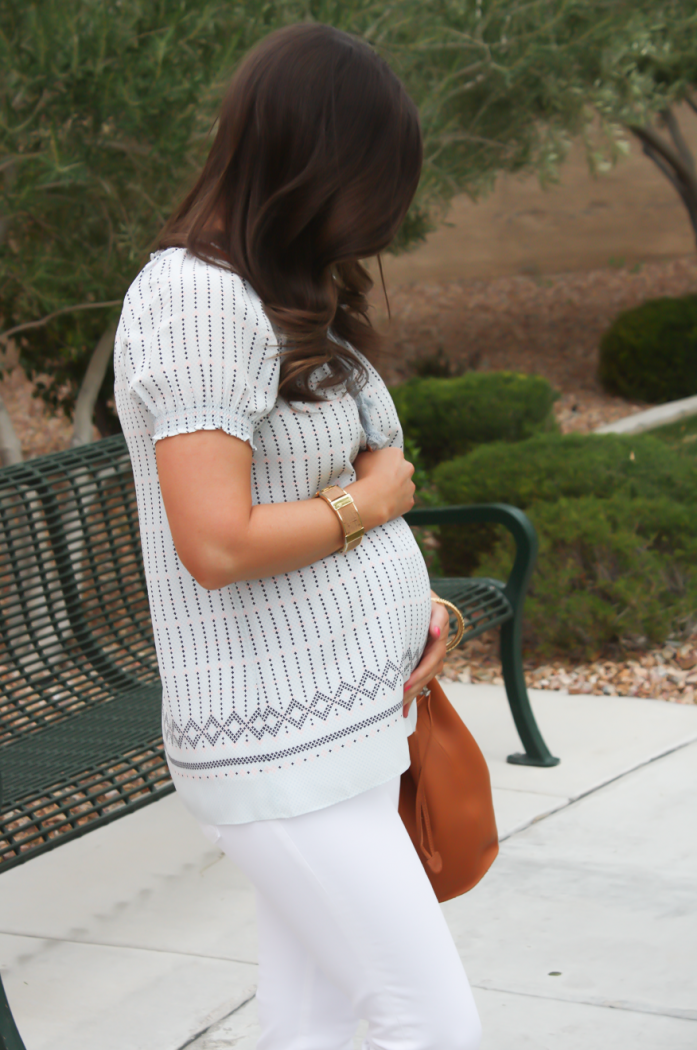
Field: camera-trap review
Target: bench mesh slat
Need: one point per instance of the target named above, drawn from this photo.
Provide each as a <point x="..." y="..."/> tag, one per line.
<point x="69" y="807"/>
<point x="98" y="736"/>
<point x="79" y="684"/>
<point x="74" y="618"/>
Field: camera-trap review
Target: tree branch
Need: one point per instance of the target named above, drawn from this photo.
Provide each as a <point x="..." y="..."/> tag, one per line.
<point x="10" y="448"/>
<point x="671" y="122"/>
<point x="10" y="332"/>
<point x="676" y="183"/>
<point x="654" y="140"/>
<point x="689" y="98"/>
<point x="672" y="165"/>
<point x="665" y="169"/>
<point x="90" y="387"/>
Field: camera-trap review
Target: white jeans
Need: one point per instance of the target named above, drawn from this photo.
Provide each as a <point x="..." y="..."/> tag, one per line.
<point x="350" y="928"/>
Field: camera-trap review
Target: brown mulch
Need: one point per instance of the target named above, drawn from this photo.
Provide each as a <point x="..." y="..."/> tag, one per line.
<point x="549" y="325"/>
<point x="584" y="411"/>
<point x="37" y="431"/>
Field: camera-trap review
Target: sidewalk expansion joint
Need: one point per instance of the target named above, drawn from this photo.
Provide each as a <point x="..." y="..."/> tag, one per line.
<point x="604" y="1004"/>
<point x="598" y="787"/>
<point x="125" y="947"/>
<point x="214" y="1024"/>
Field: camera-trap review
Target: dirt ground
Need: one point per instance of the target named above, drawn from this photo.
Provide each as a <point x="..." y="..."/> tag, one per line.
<point x="550" y="326"/>
<point x="627" y="216"/>
<point x="529" y="279"/>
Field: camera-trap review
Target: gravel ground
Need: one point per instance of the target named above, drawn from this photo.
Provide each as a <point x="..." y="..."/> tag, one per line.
<point x="666" y="673"/>
<point x="547" y="325"/>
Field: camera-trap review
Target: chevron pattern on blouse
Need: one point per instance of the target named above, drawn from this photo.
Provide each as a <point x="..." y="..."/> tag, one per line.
<point x="268" y="721"/>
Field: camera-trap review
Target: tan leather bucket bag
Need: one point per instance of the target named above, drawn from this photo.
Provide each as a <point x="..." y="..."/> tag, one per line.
<point x="445" y="798"/>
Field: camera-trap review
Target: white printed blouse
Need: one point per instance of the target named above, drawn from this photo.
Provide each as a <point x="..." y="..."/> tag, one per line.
<point x="281" y="695"/>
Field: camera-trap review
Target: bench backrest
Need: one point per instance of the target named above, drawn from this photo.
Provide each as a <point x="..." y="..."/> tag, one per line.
<point x="74" y="622"/>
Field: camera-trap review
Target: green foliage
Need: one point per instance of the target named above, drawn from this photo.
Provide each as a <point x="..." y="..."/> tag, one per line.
<point x="650" y="353"/>
<point x="447" y="417"/>
<point x="505" y="84"/>
<point x="615" y="516"/>
<point x="681" y="436"/>
<point x="550" y="467"/>
<point x="106" y="109"/>
<point x="104" y="113"/>
<point x="612" y="572"/>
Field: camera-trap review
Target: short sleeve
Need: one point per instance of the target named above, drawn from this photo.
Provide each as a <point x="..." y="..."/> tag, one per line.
<point x="203" y="353"/>
<point x="377" y="412"/>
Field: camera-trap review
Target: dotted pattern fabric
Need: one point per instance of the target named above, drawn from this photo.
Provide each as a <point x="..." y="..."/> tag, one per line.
<point x="281" y="695"/>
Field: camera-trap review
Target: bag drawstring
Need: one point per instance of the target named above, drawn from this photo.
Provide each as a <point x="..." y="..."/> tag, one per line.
<point x="433" y="857"/>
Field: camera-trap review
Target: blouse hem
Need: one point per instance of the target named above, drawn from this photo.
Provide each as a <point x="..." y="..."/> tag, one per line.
<point x="337" y="773"/>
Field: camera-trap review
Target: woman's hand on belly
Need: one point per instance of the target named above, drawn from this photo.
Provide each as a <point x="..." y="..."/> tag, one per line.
<point x="431" y="662"/>
<point x="383" y="489"/>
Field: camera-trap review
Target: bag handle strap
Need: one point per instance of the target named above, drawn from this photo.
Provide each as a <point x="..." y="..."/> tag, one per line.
<point x="433" y="857"/>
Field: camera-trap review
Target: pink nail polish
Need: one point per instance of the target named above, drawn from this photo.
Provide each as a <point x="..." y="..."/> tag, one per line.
<point x="436" y="632"/>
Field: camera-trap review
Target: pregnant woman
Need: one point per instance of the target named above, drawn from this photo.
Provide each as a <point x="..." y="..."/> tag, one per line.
<point x="293" y="632"/>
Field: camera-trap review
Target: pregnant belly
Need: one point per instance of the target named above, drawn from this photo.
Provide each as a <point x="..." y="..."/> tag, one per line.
<point x="403" y="589"/>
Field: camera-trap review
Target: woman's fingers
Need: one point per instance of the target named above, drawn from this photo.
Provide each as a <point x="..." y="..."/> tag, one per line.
<point x="383" y="489"/>
<point x="431" y="663"/>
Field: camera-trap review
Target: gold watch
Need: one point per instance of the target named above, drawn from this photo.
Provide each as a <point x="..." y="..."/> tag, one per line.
<point x="347" y="512"/>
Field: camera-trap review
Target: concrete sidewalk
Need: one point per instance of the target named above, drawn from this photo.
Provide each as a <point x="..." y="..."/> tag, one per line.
<point x="140" y="936"/>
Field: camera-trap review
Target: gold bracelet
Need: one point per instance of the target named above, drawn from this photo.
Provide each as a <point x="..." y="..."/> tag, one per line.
<point x="346" y="511"/>
<point x="454" y="642"/>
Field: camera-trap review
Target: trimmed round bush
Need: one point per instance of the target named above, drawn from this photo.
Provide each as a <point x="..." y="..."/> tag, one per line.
<point x="615" y="518"/>
<point x="650" y="353"/>
<point x="448" y="417"/>
<point x="551" y="466"/>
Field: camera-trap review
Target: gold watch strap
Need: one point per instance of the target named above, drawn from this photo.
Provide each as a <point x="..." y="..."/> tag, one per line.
<point x="347" y="512"/>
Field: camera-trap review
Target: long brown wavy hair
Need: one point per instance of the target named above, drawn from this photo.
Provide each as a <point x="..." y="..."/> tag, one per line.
<point x="316" y="159"/>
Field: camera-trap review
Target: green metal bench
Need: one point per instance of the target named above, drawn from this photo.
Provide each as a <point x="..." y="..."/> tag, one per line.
<point x="80" y="695"/>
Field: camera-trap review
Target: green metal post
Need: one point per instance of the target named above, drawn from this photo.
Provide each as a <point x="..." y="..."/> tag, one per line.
<point x="521" y="528"/>
<point x="10" y="1039"/>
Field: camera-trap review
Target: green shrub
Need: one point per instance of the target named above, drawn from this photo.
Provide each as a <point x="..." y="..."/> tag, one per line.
<point x="615" y="516"/>
<point x="681" y="436"/>
<point x="448" y="417"/>
<point x="612" y="572"/>
<point x="436" y="365"/>
<point x="650" y="353"/>
<point x="551" y="466"/>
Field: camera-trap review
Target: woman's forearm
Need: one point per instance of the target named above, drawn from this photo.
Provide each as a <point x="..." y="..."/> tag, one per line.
<point x="222" y="538"/>
<point x="278" y="538"/>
